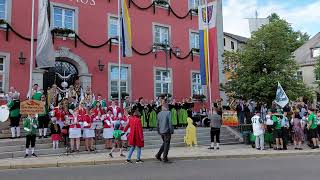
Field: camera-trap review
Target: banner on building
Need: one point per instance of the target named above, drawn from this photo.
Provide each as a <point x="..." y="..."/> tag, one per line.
<point x="126" y="30"/>
<point x="208" y="39"/>
<point x="32" y="107"/>
<point x="45" y="55"/>
<point x="281" y="97"/>
<point x="230" y="118"/>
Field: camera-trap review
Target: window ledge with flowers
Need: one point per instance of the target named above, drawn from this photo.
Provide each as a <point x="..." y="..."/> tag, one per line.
<point x="162" y="3"/>
<point x="123" y="95"/>
<point x="199" y="97"/>
<point x="64" y="32"/>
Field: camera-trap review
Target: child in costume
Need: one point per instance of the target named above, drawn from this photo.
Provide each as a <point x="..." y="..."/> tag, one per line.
<point x="30" y="125"/>
<point x="191" y="134"/>
<point x="117" y="133"/>
<point x="108" y="128"/>
<point x="55" y="135"/>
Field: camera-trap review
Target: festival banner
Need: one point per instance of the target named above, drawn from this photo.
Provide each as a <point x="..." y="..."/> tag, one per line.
<point x="230" y="118"/>
<point x="29" y="107"/>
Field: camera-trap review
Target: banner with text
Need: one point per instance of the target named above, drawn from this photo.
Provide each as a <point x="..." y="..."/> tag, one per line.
<point x="230" y="118"/>
<point x="32" y="107"/>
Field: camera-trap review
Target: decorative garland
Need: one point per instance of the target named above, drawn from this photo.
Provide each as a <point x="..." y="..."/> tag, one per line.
<point x="153" y="5"/>
<point x="67" y="32"/>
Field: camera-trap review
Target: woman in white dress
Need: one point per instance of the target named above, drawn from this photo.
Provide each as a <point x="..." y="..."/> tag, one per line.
<point x="108" y="129"/>
<point x="88" y="133"/>
<point x="75" y="133"/>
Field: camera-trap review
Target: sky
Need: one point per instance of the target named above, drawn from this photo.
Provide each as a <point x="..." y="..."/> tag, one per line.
<point x="303" y="15"/>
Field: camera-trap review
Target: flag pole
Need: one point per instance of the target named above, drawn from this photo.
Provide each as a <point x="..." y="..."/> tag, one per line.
<point x="119" y="53"/>
<point x="31" y="52"/>
<point x="208" y="60"/>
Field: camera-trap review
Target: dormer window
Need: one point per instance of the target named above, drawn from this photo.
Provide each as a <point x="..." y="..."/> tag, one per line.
<point x="315" y="52"/>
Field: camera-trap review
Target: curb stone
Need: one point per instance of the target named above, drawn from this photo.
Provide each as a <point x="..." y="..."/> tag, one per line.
<point x="118" y="161"/>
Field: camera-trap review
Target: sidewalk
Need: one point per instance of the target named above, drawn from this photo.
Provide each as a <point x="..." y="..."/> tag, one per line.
<point x="185" y="153"/>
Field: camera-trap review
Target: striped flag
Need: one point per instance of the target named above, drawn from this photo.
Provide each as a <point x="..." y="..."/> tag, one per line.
<point x="45" y="55"/>
<point x="208" y="40"/>
<point x="126" y="30"/>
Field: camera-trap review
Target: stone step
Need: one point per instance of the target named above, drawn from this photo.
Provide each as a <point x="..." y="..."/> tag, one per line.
<point x="149" y="142"/>
<point x="146" y="133"/>
<point x="21" y="141"/>
<point x="100" y="149"/>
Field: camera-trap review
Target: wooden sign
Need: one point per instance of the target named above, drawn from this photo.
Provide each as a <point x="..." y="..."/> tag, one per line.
<point x="229" y="118"/>
<point x="32" y="107"/>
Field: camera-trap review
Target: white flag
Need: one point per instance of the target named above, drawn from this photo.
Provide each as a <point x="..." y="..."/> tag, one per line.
<point x="45" y="55"/>
<point x="256" y="23"/>
<point x="281" y="97"/>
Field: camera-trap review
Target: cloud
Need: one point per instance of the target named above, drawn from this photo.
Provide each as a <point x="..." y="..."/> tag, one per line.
<point x="304" y="17"/>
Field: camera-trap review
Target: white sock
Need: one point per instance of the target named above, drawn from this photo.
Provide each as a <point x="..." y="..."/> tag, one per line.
<point x="45" y="131"/>
<point x="212" y="144"/>
<point x="27" y="151"/>
<point x="40" y="132"/>
<point x="217" y="144"/>
<point x="57" y="144"/>
<point x="13" y="132"/>
<point x="53" y="145"/>
<point x="32" y="150"/>
<point x="18" y="131"/>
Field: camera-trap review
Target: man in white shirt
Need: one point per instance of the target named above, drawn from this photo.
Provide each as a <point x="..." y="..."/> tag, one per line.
<point x="258" y="130"/>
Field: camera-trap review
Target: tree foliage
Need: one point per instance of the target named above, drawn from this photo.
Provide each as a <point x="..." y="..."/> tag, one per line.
<point x="266" y="59"/>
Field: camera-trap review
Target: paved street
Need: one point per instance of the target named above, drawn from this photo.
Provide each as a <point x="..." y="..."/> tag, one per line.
<point x="291" y="167"/>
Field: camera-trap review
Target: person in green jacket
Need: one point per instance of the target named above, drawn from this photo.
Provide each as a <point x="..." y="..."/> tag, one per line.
<point x="174" y="117"/>
<point x="30" y="125"/>
<point x="276" y="118"/>
<point x="102" y="102"/>
<point x="36" y="94"/>
<point x="152" y="116"/>
<point x="14" y="116"/>
<point x="312" y="128"/>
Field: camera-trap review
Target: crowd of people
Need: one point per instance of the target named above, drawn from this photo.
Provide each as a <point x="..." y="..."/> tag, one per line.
<point x="296" y="124"/>
<point x="72" y="115"/>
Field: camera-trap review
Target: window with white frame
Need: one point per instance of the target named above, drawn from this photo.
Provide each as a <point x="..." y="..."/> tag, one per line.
<point x="193" y="4"/>
<point x="163" y="82"/>
<point x="299" y="75"/>
<point x="124" y="80"/>
<point x="1" y="73"/>
<point x="194" y="40"/>
<point x="160" y="34"/>
<point x="3" y="9"/>
<point x="63" y="18"/>
<point x="196" y="84"/>
<point x="113" y="27"/>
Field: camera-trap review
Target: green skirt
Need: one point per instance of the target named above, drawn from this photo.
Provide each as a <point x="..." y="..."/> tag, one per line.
<point x="143" y="120"/>
<point x="153" y="119"/>
<point x="174" y="117"/>
<point x="182" y="116"/>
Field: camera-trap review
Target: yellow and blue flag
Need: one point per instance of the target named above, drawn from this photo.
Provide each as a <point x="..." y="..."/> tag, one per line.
<point x="126" y="36"/>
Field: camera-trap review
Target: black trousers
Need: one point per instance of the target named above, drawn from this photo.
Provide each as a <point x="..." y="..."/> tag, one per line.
<point x="30" y="139"/>
<point x="285" y="134"/>
<point x="215" y="132"/>
<point x="43" y="122"/>
<point x="166" y="138"/>
<point x="14" y="121"/>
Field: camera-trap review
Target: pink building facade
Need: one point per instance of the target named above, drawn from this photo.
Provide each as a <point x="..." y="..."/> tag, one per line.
<point x="95" y="21"/>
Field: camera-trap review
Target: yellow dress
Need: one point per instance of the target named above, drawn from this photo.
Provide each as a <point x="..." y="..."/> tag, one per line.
<point x="191" y="134"/>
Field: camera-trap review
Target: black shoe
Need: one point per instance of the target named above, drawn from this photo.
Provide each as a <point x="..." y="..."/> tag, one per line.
<point x="25" y="156"/>
<point x="210" y="147"/>
<point x="217" y="148"/>
<point x="92" y="150"/>
<point x="139" y="161"/>
<point x="40" y="137"/>
<point x="158" y="158"/>
<point x="34" y="155"/>
<point x="167" y="161"/>
<point x="313" y="147"/>
<point x="128" y="162"/>
<point x="317" y="147"/>
<point x="45" y="137"/>
<point x="110" y="155"/>
<point x="122" y="155"/>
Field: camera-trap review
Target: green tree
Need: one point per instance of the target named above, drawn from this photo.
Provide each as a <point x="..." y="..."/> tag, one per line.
<point x="266" y="59"/>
